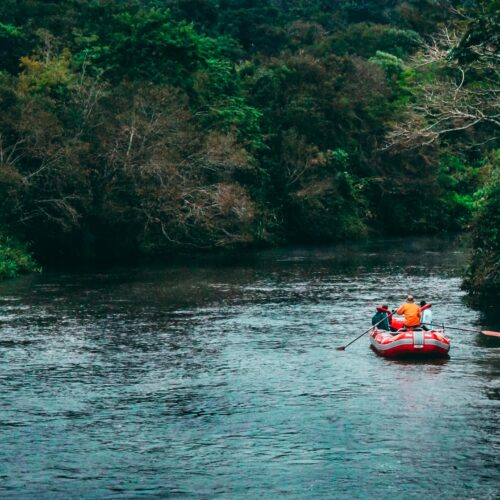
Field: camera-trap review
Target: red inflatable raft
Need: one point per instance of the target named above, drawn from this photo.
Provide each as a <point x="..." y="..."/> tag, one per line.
<point x="412" y="343"/>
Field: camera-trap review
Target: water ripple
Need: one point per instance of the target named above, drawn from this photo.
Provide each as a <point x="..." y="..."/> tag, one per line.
<point x="222" y="380"/>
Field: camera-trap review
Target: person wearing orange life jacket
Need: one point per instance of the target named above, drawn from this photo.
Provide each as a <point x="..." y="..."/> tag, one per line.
<point x="411" y="312"/>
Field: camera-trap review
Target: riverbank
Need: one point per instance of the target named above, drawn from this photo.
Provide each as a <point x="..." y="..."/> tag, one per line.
<point x="16" y="259"/>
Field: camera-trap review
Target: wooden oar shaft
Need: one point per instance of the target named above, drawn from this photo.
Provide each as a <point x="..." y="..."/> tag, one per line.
<point x="452" y="328"/>
<point x="364" y="333"/>
<point x="463" y="329"/>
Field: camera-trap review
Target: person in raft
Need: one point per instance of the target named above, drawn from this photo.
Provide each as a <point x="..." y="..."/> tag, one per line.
<point x="382" y="317"/>
<point x="426" y="318"/>
<point x="411" y="312"/>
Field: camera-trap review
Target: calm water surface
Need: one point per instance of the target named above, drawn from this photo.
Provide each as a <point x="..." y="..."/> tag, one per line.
<point x="220" y="378"/>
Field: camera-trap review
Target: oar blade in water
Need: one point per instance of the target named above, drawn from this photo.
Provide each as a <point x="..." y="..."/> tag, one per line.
<point x="490" y="333"/>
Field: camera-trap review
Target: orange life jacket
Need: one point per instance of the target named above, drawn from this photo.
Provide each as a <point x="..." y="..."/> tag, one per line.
<point x="411" y="312"/>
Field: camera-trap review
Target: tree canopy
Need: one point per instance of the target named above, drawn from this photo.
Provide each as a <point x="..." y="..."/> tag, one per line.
<point x="146" y="126"/>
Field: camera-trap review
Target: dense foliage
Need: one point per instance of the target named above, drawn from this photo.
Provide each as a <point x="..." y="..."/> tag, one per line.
<point x="15" y="258"/>
<point x="144" y="126"/>
<point x="484" y="272"/>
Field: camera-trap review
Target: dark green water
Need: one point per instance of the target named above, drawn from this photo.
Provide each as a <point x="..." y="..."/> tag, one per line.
<point x="219" y="378"/>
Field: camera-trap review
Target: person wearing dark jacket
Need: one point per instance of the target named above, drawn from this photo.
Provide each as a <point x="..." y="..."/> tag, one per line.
<point x="382" y="317"/>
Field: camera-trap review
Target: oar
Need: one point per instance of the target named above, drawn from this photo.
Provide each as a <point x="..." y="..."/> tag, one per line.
<point x="484" y="332"/>
<point x="343" y="348"/>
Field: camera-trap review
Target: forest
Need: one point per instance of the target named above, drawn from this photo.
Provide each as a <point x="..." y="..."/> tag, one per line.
<point x="150" y="127"/>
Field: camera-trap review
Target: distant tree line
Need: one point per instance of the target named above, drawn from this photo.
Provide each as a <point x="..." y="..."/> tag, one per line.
<point x="148" y="126"/>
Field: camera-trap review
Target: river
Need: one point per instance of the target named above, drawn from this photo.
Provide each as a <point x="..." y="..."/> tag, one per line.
<point x="218" y="377"/>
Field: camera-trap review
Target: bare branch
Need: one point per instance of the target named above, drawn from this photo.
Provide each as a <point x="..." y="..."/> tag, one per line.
<point x="448" y="105"/>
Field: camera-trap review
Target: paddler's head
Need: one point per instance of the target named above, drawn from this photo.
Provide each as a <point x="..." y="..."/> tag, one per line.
<point x="409" y="298"/>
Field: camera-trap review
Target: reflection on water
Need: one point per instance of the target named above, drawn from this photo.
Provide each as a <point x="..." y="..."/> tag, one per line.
<point x="219" y="377"/>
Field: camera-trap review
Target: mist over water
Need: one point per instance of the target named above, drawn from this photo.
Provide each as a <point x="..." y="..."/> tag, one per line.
<point x="219" y="377"/>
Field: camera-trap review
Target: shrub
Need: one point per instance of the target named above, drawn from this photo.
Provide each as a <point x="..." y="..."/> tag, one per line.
<point x="15" y="259"/>
<point x="483" y="274"/>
